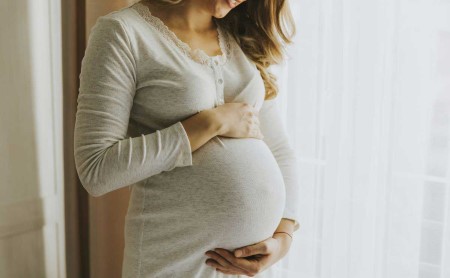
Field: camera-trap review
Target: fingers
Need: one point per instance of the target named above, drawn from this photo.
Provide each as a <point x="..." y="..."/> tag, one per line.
<point x="223" y="264"/>
<point x="255" y="110"/>
<point x="256" y="119"/>
<point x="250" y="108"/>
<point x="245" y="265"/>
<point x="256" y="133"/>
<point x="221" y="268"/>
<point x="244" y="122"/>
<point x="259" y="134"/>
<point x="263" y="247"/>
<point x="254" y="127"/>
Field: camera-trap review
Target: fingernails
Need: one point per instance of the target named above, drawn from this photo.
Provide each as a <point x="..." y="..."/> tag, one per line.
<point x="238" y="253"/>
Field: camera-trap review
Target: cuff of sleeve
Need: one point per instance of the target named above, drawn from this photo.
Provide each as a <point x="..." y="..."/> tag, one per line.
<point x="185" y="158"/>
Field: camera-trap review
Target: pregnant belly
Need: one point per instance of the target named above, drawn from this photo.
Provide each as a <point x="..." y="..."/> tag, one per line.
<point x="233" y="195"/>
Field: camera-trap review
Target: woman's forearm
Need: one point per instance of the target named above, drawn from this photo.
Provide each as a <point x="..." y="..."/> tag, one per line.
<point x="201" y="127"/>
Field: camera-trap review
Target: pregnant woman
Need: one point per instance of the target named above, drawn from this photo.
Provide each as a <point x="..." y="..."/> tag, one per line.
<point x="176" y="100"/>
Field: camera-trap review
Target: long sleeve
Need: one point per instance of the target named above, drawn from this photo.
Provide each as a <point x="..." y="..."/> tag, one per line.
<point x="276" y="138"/>
<point x="105" y="159"/>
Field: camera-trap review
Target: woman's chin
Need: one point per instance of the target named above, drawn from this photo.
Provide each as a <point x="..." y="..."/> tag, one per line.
<point x="222" y="8"/>
<point x="221" y="12"/>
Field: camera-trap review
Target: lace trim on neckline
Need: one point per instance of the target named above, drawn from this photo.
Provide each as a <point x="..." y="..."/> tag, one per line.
<point x="198" y="55"/>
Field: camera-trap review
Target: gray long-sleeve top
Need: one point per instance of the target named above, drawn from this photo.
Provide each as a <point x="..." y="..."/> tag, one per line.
<point x="138" y="81"/>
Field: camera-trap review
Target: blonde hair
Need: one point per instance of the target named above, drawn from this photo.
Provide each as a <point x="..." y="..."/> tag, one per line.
<point x="262" y="28"/>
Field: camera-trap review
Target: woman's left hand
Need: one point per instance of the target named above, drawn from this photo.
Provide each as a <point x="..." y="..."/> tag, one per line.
<point x="253" y="259"/>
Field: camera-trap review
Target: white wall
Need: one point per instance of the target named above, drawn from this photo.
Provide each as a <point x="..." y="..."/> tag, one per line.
<point x="31" y="177"/>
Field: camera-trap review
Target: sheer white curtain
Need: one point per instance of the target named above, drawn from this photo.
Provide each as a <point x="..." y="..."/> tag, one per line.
<point x="366" y="97"/>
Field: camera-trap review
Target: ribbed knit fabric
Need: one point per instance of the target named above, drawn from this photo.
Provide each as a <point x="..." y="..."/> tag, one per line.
<point x="138" y="82"/>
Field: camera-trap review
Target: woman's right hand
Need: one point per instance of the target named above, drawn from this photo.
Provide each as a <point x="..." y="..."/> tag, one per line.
<point x="238" y="120"/>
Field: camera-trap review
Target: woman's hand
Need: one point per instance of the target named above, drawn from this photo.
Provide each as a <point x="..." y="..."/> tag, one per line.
<point x="238" y="120"/>
<point x="252" y="259"/>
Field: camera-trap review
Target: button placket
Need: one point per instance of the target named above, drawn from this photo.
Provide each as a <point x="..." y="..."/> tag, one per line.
<point x="218" y="76"/>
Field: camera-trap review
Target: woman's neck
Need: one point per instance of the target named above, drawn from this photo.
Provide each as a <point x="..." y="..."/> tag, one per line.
<point x="190" y="16"/>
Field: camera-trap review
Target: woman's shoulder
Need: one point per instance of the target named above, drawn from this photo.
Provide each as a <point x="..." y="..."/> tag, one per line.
<point x="125" y="18"/>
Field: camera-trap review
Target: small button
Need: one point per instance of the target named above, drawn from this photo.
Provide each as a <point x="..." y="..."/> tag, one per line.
<point x="220" y="80"/>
